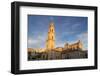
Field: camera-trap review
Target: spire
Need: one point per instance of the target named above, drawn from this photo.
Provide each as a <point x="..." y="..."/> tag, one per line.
<point x="51" y="24"/>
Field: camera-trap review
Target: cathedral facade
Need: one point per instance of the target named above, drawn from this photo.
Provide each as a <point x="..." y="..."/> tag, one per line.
<point x="75" y="46"/>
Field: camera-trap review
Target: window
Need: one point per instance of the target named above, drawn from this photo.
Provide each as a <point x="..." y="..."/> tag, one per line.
<point x="52" y="37"/>
<point x="52" y="30"/>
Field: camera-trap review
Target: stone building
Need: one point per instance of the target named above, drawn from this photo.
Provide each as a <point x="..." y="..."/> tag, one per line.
<point x="59" y="49"/>
<point x="50" y="42"/>
<point x="75" y="46"/>
<point x="51" y="55"/>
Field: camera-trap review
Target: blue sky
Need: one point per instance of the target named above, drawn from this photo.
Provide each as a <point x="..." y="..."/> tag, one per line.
<point x="68" y="29"/>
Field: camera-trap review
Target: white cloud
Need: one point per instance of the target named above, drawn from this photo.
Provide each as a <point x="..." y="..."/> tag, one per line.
<point x="83" y="36"/>
<point x="60" y="44"/>
<point x="76" y="25"/>
<point x="37" y="41"/>
<point x="32" y="41"/>
<point x="68" y="33"/>
<point x="66" y="23"/>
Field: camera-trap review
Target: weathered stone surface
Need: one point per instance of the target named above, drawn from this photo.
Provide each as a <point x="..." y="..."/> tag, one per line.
<point x="52" y="55"/>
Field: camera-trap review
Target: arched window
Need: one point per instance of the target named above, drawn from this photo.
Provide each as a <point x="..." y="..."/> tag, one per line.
<point x="52" y="30"/>
<point x="52" y="37"/>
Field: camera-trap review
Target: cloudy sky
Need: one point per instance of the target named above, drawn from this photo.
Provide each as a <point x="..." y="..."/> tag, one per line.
<point x="68" y="29"/>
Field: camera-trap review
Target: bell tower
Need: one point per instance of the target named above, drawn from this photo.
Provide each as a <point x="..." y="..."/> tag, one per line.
<point x="50" y="42"/>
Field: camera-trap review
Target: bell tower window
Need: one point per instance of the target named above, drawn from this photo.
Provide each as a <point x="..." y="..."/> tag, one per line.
<point x="52" y="37"/>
